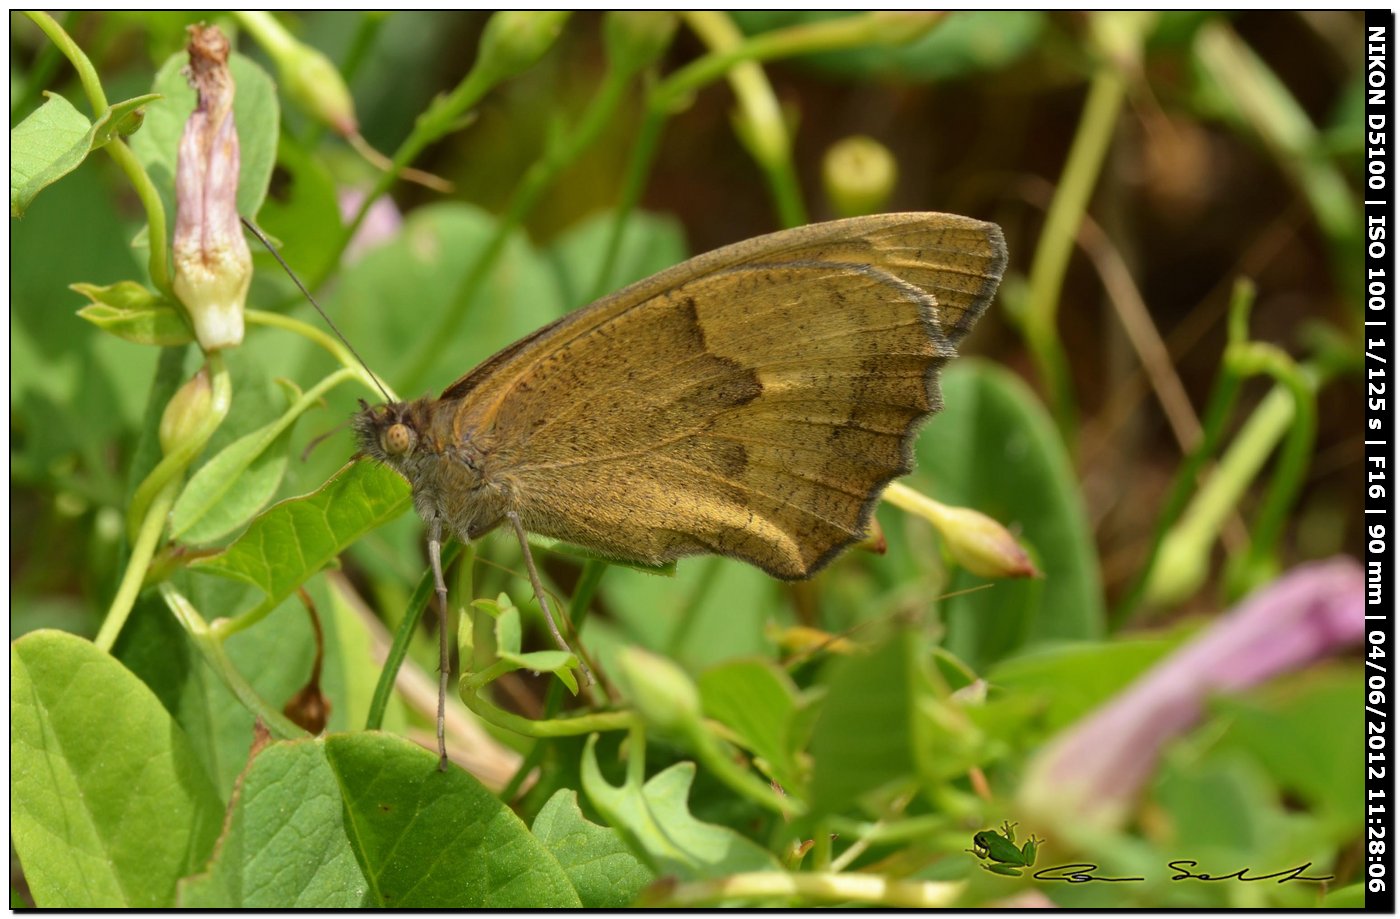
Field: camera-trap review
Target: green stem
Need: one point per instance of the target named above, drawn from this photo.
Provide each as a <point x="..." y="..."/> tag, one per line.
<point x="831" y="35"/>
<point x="1057" y="240"/>
<point x="403" y="637"/>
<point x="87" y="74"/>
<point x="669" y="95"/>
<point x="217" y="659"/>
<point x="761" y="128"/>
<point x="331" y="344"/>
<point x="442" y="117"/>
<point x="366" y="33"/>
<point x="633" y="184"/>
<point x="715" y="758"/>
<point x="588" y="723"/>
<point x="1219" y="407"/>
<point x="1296" y="454"/>
<point x="142" y="551"/>
<point x="159" y="264"/>
<point x="579" y="604"/>
<point x="537" y="180"/>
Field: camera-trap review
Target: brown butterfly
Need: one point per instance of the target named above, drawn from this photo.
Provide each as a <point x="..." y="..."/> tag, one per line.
<point x="751" y="402"/>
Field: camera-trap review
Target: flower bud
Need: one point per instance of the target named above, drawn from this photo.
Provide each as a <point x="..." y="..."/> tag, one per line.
<point x="663" y="693"/>
<point x="212" y="264"/>
<point x="974" y="540"/>
<point x="307" y="76"/>
<point x="982" y="545"/>
<point x="859" y="174"/>
<point x="515" y="39"/>
<point x="637" y="38"/>
<point x="186" y="411"/>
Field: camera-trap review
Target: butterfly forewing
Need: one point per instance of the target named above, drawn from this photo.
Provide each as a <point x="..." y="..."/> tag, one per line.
<point x="751" y="402"/>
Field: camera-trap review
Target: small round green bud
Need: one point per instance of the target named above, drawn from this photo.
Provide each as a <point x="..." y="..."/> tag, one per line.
<point x="514" y="40"/>
<point x="663" y="693"/>
<point x="859" y="174"/>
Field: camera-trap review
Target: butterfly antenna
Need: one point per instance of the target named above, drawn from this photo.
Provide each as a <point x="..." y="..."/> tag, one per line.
<point x="302" y="287"/>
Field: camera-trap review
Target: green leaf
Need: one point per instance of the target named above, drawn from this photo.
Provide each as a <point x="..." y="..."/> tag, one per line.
<point x="650" y="243"/>
<point x="54" y="140"/>
<point x="111" y="806"/>
<point x="298" y="537"/>
<point x="44" y="148"/>
<point x="132" y="312"/>
<point x="435" y="839"/>
<point x="1074" y="679"/>
<point x="1302" y="732"/>
<point x="287" y="843"/>
<point x="255" y="114"/>
<point x="655" y="820"/>
<point x="397" y="292"/>
<point x="233" y="486"/>
<point x="993" y="448"/>
<point x="508" y="631"/>
<point x="861" y="740"/>
<point x="600" y="866"/>
<point x="757" y="700"/>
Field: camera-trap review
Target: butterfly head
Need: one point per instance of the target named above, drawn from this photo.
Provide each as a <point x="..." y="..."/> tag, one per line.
<point x="388" y="433"/>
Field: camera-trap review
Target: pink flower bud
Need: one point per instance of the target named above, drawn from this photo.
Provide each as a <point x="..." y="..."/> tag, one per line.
<point x="212" y="264"/>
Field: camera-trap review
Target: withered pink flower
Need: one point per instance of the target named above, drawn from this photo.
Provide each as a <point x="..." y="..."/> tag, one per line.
<point x="212" y="264"/>
<point x="1089" y="776"/>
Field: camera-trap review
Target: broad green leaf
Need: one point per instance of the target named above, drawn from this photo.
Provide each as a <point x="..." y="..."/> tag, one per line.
<point x="649" y="243"/>
<point x="398" y="292"/>
<point x="54" y="140"/>
<point x="255" y="114"/>
<point x="437" y="840"/>
<point x="298" y="537"/>
<point x="600" y="866"/>
<point x="287" y="843"/>
<point x="862" y="738"/>
<point x="1074" y="679"/>
<point x="304" y="215"/>
<point x="110" y="805"/>
<point x="275" y="657"/>
<point x="757" y="700"/>
<point x="229" y="489"/>
<point x="1303" y="732"/>
<point x="993" y="448"/>
<point x="656" y="822"/>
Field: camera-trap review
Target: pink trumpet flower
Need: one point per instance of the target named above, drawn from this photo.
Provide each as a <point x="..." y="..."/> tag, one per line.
<point x="1090" y="774"/>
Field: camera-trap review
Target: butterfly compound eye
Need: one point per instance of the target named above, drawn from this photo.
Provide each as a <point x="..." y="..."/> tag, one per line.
<point x="398" y="439"/>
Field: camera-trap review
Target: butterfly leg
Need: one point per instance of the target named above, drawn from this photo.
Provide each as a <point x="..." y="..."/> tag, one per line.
<point x="444" y="663"/>
<point x="539" y="595"/>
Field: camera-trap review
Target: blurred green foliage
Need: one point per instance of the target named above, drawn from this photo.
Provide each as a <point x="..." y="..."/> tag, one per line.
<point x="892" y="702"/>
